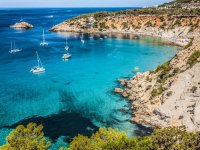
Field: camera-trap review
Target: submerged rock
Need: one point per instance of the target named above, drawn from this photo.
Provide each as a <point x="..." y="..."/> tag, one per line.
<point x="118" y="90"/>
<point x="22" y="25"/>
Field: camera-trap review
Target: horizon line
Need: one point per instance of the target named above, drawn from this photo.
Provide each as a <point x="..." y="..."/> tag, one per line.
<point x="80" y="7"/>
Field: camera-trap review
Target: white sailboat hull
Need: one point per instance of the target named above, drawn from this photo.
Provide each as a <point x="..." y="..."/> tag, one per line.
<point x="82" y="41"/>
<point x="37" y="69"/>
<point x="66" y="56"/>
<point x="44" y="44"/>
<point x="15" y="51"/>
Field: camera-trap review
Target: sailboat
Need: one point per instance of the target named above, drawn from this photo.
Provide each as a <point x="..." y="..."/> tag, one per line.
<point x="91" y="37"/>
<point x="21" y="19"/>
<point x="44" y="43"/>
<point x="67" y="55"/>
<point x="39" y="68"/>
<point x="66" y="46"/>
<point x="13" y="48"/>
<point x="82" y="40"/>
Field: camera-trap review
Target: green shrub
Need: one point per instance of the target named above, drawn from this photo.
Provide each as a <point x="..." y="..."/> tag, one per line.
<point x="177" y="22"/>
<point x="124" y="25"/>
<point x="189" y="44"/>
<point x="113" y="26"/>
<point x="194" y="89"/>
<point x="171" y="138"/>
<point x="193" y="58"/>
<point x="27" y="138"/>
<point x="157" y="92"/>
<point x="149" y="24"/>
<point x="99" y="140"/>
<point x="164" y="67"/>
<point x="103" y="25"/>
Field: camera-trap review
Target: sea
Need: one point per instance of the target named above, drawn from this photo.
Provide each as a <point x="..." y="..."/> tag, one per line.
<point x="74" y="96"/>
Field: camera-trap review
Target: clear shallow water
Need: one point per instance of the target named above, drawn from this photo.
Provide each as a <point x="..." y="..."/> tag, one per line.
<point x="74" y="96"/>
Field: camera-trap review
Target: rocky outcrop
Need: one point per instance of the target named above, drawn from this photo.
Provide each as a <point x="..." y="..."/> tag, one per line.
<point x="22" y="25"/>
<point x="173" y="100"/>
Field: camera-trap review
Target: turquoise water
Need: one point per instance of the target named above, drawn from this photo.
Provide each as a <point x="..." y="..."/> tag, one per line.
<point x="74" y="96"/>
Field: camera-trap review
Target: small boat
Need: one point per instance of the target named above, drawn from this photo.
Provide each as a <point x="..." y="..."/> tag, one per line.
<point x="66" y="46"/>
<point x="66" y="56"/>
<point x="39" y="68"/>
<point x="13" y="48"/>
<point x="91" y="37"/>
<point x="21" y="19"/>
<point x="44" y="43"/>
<point x="82" y="40"/>
<point x="101" y="38"/>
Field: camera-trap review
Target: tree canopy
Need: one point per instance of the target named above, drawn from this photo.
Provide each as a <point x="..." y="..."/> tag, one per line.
<point x="30" y="137"/>
<point x="171" y="138"/>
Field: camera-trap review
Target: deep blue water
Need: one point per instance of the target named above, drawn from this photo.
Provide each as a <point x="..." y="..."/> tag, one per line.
<point x="74" y="96"/>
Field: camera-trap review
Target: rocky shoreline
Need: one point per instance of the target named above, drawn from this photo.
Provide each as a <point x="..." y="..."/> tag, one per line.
<point x="171" y="102"/>
<point x="176" y="29"/>
<point x="170" y="94"/>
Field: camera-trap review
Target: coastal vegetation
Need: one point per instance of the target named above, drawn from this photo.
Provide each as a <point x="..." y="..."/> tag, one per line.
<point x="176" y="7"/>
<point x="30" y="137"/>
<point x="176" y="138"/>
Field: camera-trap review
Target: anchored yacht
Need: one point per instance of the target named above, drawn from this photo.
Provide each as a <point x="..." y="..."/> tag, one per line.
<point x="39" y="68"/>
<point x="43" y="43"/>
<point x="13" y="48"/>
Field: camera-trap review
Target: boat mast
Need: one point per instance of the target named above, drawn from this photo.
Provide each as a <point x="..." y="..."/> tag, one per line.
<point x="11" y="45"/>
<point x="38" y="60"/>
<point x="14" y="45"/>
<point x="43" y="37"/>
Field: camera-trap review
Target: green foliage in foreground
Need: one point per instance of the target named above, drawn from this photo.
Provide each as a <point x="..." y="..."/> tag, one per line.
<point x="32" y="138"/>
<point x="193" y="58"/>
<point x="163" y="139"/>
<point x="26" y="138"/>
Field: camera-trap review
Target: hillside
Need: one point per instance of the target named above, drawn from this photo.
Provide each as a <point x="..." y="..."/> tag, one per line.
<point x="178" y="21"/>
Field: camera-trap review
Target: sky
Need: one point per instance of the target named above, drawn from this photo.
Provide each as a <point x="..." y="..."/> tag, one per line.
<point x="80" y="3"/>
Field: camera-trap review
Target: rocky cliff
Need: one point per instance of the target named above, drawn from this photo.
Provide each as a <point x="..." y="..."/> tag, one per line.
<point x="169" y="95"/>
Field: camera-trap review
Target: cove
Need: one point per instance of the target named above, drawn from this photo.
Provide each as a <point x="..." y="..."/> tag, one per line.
<point x="77" y="95"/>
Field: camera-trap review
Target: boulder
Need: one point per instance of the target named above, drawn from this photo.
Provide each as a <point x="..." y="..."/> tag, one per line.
<point x="122" y="82"/>
<point x="125" y="95"/>
<point x="118" y="90"/>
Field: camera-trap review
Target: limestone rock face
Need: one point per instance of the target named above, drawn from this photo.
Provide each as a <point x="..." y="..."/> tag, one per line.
<point x="22" y="25"/>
